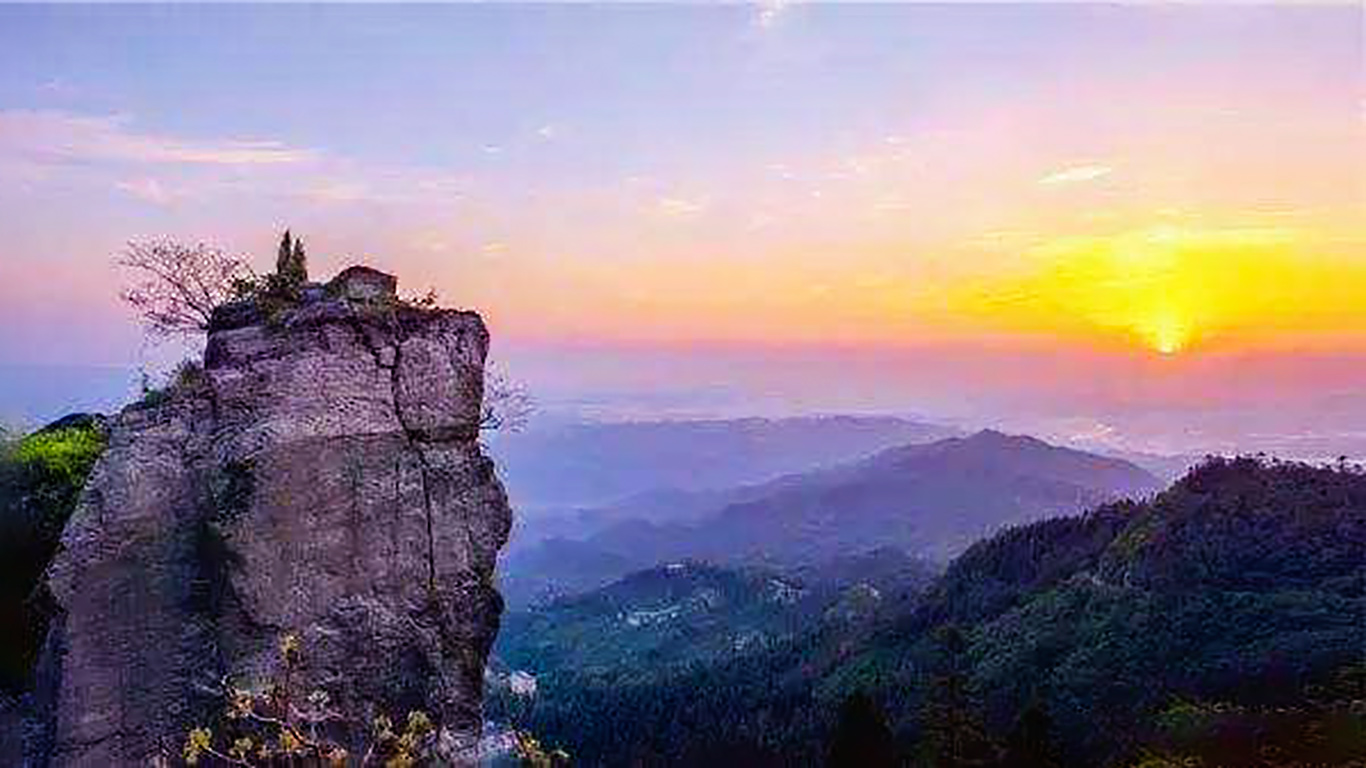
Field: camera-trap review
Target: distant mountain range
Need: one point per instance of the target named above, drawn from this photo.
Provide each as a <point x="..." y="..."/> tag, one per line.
<point x="598" y="464"/>
<point x="929" y="500"/>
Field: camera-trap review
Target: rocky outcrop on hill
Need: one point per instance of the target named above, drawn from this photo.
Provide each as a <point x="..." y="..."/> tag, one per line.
<point x="323" y="477"/>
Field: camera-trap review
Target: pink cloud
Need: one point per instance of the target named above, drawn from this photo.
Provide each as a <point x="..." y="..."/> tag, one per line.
<point x="38" y="135"/>
<point x="148" y="190"/>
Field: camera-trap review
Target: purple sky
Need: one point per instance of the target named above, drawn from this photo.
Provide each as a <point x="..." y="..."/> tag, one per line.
<point x="1141" y="224"/>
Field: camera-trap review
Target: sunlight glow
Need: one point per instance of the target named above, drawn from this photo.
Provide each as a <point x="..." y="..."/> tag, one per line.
<point x="1171" y="289"/>
<point x="1166" y="332"/>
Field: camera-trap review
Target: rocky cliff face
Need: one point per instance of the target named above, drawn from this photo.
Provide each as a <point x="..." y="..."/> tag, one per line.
<point x="324" y="478"/>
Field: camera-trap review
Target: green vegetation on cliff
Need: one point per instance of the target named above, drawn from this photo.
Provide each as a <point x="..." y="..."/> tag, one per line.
<point x="41" y="477"/>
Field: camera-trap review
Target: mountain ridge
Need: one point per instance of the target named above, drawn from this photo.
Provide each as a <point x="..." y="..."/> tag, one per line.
<point x="892" y="498"/>
<point x="595" y="464"/>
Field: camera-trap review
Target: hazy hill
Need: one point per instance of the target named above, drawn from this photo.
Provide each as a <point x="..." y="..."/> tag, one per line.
<point x="596" y="464"/>
<point x="929" y="500"/>
<point x="557" y="567"/>
<point x="1220" y="621"/>
<point x="662" y="506"/>
<point x="1165" y="467"/>
<point x="932" y="500"/>
<point x="679" y="613"/>
<point x="663" y="616"/>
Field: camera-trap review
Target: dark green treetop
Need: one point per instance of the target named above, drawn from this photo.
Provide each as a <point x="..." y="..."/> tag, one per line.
<point x="291" y="263"/>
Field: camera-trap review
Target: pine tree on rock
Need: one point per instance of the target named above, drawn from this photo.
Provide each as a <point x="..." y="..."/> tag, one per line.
<point x="291" y="263"/>
<point x="299" y="263"/>
<point x="284" y="253"/>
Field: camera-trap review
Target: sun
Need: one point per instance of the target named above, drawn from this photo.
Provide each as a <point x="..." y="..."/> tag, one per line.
<point x="1174" y="291"/>
<point x="1166" y="333"/>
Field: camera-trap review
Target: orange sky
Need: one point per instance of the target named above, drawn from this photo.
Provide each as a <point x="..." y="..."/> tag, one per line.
<point x="1177" y="187"/>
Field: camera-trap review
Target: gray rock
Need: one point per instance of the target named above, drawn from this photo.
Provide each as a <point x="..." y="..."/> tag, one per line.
<point x="364" y="284"/>
<point x="326" y="480"/>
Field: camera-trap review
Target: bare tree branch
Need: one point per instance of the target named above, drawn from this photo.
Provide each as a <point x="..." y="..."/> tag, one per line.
<point x="507" y="405"/>
<point x="177" y="286"/>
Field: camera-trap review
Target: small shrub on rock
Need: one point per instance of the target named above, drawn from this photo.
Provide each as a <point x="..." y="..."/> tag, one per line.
<point x="275" y="727"/>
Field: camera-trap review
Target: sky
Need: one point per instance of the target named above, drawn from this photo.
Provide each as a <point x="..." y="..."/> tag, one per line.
<point x="1140" y="224"/>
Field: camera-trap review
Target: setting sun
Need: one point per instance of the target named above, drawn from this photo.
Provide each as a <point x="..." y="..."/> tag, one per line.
<point x="1169" y="289"/>
<point x="1166" y="333"/>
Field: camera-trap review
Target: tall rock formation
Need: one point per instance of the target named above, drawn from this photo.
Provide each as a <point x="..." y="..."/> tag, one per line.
<point x="324" y="478"/>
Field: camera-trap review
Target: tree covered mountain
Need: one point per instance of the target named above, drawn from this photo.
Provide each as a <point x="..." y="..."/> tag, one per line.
<point x="1222" y="621"/>
<point x="929" y="500"/>
<point x="669" y="615"/>
<point x="676" y="614"/>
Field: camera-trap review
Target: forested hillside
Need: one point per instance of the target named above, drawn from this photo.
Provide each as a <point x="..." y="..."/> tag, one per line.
<point x="1223" y="621"/>
<point x="663" y="619"/>
<point x="674" y="614"/>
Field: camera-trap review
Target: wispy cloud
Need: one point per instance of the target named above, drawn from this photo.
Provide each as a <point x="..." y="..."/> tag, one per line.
<point x="148" y="190"/>
<point x="768" y="12"/>
<point x="156" y="167"/>
<point x="340" y="191"/>
<point x="1076" y="174"/>
<point x="56" y="86"/>
<point x="680" y="208"/>
<point x="63" y="137"/>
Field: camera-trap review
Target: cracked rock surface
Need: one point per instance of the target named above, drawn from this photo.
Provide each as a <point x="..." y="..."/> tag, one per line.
<point x="324" y="479"/>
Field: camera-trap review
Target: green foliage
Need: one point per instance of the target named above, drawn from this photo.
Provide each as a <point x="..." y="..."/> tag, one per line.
<point x="291" y="263"/>
<point x="275" y="293"/>
<point x="62" y="456"/>
<point x="951" y="728"/>
<point x="1324" y="726"/>
<point x="41" y="477"/>
<point x="275" y="297"/>
<point x="655" y="619"/>
<point x="1101" y="639"/>
<point x="187" y="378"/>
<point x="246" y="287"/>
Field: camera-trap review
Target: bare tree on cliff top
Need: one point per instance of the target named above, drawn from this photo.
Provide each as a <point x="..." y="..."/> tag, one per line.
<point x="507" y="405"/>
<point x="178" y="285"/>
